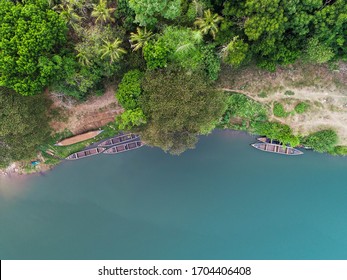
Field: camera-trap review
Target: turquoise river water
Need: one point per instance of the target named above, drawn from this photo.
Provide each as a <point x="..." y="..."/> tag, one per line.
<point x="223" y="200"/>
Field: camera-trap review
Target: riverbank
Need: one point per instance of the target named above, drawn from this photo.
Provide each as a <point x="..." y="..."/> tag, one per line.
<point x="322" y="87"/>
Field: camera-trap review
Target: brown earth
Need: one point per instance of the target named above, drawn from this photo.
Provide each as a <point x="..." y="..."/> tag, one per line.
<point x="324" y="89"/>
<point x="92" y="114"/>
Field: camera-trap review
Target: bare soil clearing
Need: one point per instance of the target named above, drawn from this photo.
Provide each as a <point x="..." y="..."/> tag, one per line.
<point x="323" y="89"/>
<point x="92" y="114"/>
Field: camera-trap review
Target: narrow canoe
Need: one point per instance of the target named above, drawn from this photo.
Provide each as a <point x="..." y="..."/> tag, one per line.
<point x="278" y="149"/>
<point x="124" y="147"/>
<point x="86" y="153"/>
<point x="119" y="139"/>
<point x="79" y="138"/>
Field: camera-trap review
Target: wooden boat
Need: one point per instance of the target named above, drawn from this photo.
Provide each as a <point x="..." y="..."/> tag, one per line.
<point x="124" y="147"/>
<point x="278" y="149"/>
<point x="86" y="153"/>
<point x="119" y="139"/>
<point x="79" y="138"/>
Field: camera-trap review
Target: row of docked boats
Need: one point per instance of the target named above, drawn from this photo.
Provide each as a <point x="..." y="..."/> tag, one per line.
<point x="273" y="146"/>
<point x="118" y="144"/>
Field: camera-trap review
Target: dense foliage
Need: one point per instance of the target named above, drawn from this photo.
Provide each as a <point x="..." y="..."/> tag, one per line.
<point x="277" y="131"/>
<point x="129" y="89"/>
<point x="148" y="11"/>
<point x="179" y="106"/>
<point x="279" y="111"/>
<point x="244" y="108"/>
<point x="78" y="47"/>
<point x="24" y="125"/>
<point x="339" y="151"/>
<point x="321" y="141"/>
<point x="130" y="119"/>
<point x="30" y="37"/>
<point x="280" y="31"/>
<point x="301" y="107"/>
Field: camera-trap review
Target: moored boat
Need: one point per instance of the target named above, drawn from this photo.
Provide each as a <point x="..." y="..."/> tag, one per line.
<point x="119" y="139"/>
<point x="124" y="147"/>
<point x="79" y="138"/>
<point x="278" y="149"/>
<point x="86" y="153"/>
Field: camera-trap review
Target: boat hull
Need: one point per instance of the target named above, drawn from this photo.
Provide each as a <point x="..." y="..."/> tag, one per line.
<point x="79" y="138"/>
<point x="124" y="147"/>
<point x="86" y="153"/>
<point x="118" y="140"/>
<point x="277" y="149"/>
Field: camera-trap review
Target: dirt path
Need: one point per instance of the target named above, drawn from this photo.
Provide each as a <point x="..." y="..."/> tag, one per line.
<point x="91" y="114"/>
<point x="324" y="89"/>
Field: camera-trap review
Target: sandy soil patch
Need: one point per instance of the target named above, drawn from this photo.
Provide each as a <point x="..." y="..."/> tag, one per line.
<point x="324" y="89"/>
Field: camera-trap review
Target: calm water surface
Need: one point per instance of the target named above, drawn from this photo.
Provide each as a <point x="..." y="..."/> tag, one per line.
<point x="223" y="200"/>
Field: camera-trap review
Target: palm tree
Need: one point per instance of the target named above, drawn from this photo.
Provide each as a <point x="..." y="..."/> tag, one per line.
<point x="102" y="13"/>
<point x="209" y="23"/>
<point x="67" y="10"/>
<point x="83" y="59"/>
<point x="140" y="39"/>
<point x="198" y="7"/>
<point x="197" y="39"/>
<point x="71" y="17"/>
<point x="82" y="56"/>
<point x="112" y="50"/>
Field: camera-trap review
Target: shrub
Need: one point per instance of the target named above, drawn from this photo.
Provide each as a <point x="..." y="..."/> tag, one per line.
<point x="278" y="131"/>
<point x="130" y="119"/>
<point x="278" y="110"/>
<point x="301" y="108"/>
<point x="321" y="141"/>
<point x="262" y="94"/>
<point x="211" y="62"/>
<point x="243" y="107"/>
<point x="339" y="151"/>
<point x="156" y="55"/>
<point x="129" y="89"/>
<point x="289" y="92"/>
<point x="318" y="52"/>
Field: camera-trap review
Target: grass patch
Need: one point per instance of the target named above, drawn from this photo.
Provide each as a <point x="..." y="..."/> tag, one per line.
<point x="245" y="110"/>
<point x="301" y="108"/>
<point x="61" y="152"/>
<point x="279" y="111"/>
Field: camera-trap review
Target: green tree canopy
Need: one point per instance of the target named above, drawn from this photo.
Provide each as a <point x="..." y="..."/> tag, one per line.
<point x="208" y="24"/>
<point x="102" y="13"/>
<point x="148" y="11"/>
<point x="179" y="106"/>
<point x="235" y="52"/>
<point x="277" y="131"/>
<point x="31" y="35"/>
<point x="321" y="141"/>
<point x="278" y="31"/>
<point x="24" y="125"/>
<point x="130" y="119"/>
<point x="129" y="89"/>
